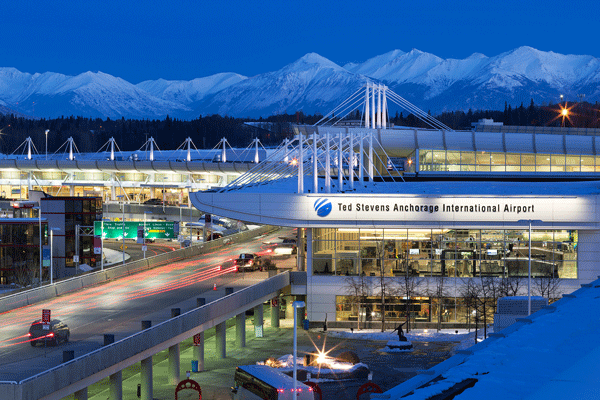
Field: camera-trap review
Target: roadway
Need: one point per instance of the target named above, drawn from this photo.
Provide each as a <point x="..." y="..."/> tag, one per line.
<point x="118" y="307"/>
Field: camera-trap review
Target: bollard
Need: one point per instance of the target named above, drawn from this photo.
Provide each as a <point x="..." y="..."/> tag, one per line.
<point x="228" y="290"/>
<point x="68" y="355"/>
<point x="109" y="338"/>
<point x="146" y="324"/>
<point x="175" y="312"/>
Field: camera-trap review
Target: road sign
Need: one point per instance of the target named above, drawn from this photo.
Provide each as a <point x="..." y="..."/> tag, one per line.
<point x="197" y="340"/>
<point x="153" y="230"/>
<point x="274" y="302"/>
<point x="144" y="247"/>
<point x="75" y="258"/>
<point x="97" y="250"/>
<point x="46" y="256"/>
<point x="45" y="315"/>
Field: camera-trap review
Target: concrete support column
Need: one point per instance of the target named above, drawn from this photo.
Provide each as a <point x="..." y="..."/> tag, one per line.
<point x="174" y="364"/>
<point x="258" y="315"/>
<point x="309" y="234"/>
<point x="220" y="337"/>
<point x="240" y="330"/>
<point x="275" y="314"/>
<point x="199" y="351"/>
<point x="81" y="394"/>
<point x="113" y="190"/>
<point x="115" y="383"/>
<point x="146" y="378"/>
<point x="300" y="247"/>
<point x="72" y="187"/>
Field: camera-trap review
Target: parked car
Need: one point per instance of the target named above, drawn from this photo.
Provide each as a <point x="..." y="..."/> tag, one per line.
<point x="248" y="262"/>
<point x="49" y="332"/>
<point x="154" y="202"/>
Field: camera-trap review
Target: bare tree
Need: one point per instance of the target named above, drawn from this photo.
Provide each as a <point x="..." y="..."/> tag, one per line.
<point x="358" y="290"/>
<point x="512" y="282"/>
<point x="438" y="291"/>
<point x="548" y="284"/>
<point x="385" y="282"/>
<point x="469" y="293"/>
<point x="490" y="291"/>
<point x="408" y="287"/>
<point x="24" y="274"/>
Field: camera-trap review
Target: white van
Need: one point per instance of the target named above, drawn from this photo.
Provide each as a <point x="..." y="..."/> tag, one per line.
<point x="258" y="382"/>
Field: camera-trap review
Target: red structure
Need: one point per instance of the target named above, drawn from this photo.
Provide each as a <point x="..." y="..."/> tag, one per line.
<point x="368" y="387"/>
<point x="188" y="384"/>
<point x="315" y="387"/>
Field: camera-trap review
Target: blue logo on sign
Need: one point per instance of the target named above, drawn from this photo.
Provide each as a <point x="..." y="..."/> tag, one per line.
<point x="323" y="207"/>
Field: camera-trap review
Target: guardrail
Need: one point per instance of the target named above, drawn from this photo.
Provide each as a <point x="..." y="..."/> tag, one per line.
<point x="90" y="368"/>
<point x="67" y="285"/>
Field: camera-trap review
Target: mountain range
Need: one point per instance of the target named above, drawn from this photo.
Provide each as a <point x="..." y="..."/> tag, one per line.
<point x="312" y="84"/>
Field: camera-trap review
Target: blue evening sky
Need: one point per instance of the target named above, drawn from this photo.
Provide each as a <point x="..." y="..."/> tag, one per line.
<point x="185" y="39"/>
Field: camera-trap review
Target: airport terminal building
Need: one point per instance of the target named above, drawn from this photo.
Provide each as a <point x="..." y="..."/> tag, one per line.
<point x="418" y="221"/>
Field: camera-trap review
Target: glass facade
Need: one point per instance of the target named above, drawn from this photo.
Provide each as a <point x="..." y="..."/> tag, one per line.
<point x="418" y="309"/>
<point x="20" y="251"/>
<point x="458" y="253"/>
<point x="473" y="161"/>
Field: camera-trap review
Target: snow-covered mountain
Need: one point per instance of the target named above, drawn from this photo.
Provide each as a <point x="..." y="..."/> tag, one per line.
<point x="310" y="84"/>
<point x="313" y="84"/>
<point x="93" y="94"/>
<point x="189" y="92"/>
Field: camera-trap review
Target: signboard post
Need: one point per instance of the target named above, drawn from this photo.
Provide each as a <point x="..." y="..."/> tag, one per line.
<point x="45" y="316"/>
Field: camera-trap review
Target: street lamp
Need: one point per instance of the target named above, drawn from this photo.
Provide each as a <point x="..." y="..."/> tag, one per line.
<point x="47" y="130"/>
<point x="529" y="221"/>
<point x="41" y="248"/>
<point x="296" y="305"/>
<point x="144" y="235"/>
<point x="123" y="224"/>
<point x="52" y="254"/>
<point x="163" y="193"/>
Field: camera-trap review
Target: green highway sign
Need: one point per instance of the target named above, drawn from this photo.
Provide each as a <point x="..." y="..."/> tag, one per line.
<point x="153" y="229"/>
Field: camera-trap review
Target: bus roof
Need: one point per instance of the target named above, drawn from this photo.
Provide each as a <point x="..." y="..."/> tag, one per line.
<point x="271" y="376"/>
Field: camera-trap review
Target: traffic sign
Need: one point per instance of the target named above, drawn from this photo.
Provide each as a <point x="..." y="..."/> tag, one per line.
<point x="144" y="247"/>
<point x="153" y="229"/>
<point x="274" y="302"/>
<point x="75" y="258"/>
<point x="46" y="256"/>
<point x="45" y="315"/>
<point x="97" y="250"/>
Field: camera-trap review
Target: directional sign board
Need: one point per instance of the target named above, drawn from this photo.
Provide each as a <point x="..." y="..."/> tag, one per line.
<point x="153" y="230"/>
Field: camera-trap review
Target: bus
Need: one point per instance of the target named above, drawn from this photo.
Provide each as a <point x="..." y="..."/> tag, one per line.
<point x="261" y="382"/>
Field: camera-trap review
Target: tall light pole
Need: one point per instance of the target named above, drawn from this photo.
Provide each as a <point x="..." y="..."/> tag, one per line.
<point x="123" y="224"/>
<point x="47" y="130"/>
<point x="529" y="221"/>
<point x="164" y="194"/>
<point x="52" y="254"/>
<point x="41" y="247"/>
<point x="296" y="305"/>
<point x="144" y="235"/>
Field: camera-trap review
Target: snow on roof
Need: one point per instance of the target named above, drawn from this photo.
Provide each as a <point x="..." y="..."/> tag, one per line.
<point x="435" y="188"/>
<point x="553" y="354"/>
